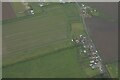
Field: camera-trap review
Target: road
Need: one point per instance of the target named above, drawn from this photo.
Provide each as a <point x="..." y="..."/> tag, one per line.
<point x="106" y="73"/>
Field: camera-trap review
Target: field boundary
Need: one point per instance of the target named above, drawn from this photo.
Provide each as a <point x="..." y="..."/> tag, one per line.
<point x="38" y="56"/>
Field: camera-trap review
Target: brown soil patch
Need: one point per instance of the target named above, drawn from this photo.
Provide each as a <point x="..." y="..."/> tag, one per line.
<point x="7" y="11"/>
<point x="105" y="36"/>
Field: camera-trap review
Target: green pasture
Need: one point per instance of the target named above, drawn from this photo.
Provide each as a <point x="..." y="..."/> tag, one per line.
<point x="77" y="29"/>
<point x="61" y="64"/>
<point x="72" y="12"/>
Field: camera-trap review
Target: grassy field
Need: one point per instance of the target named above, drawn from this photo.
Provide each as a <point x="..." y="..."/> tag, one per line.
<point x="40" y="45"/>
<point x="113" y="69"/>
<point x="36" y="7"/>
<point x="23" y="36"/>
<point x="61" y="64"/>
<point x="71" y="12"/>
<point x="18" y="8"/>
<point x="76" y="29"/>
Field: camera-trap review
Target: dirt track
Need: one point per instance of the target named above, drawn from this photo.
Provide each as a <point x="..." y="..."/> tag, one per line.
<point x="104" y="32"/>
<point x="7" y="11"/>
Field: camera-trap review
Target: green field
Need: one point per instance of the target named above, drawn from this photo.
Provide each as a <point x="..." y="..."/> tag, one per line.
<point x="76" y="29"/>
<point x="60" y="64"/>
<point x="40" y="45"/>
<point x="113" y="69"/>
<point x="23" y="36"/>
<point x="18" y="8"/>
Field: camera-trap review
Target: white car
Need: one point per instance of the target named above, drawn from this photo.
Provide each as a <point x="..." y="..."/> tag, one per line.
<point x="41" y="5"/>
<point x="84" y="46"/>
<point x="84" y="51"/>
<point x="32" y="12"/>
<point x="96" y="51"/>
<point x="92" y="61"/>
<point x="72" y="39"/>
<point x="80" y="35"/>
<point x="91" y="65"/>
<point x="95" y="63"/>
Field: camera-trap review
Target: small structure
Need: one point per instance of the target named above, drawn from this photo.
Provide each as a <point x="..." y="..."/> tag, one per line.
<point x="83" y="5"/>
<point x="96" y="57"/>
<point x="32" y="12"/>
<point x="72" y="40"/>
<point x="95" y="63"/>
<point x="84" y="37"/>
<point x="84" y="46"/>
<point x="93" y="57"/>
<point x="91" y="65"/>
<point x="41" y="5"/>
<point x="96" y="60"/>
<point x="77" y="41"/>
<point x="92" y="61"/>
<point x="93" y="53"/>
<point x="100" y="68"/>
<point x="96" y="51"/>
<point x="91" y="46"/>
<point x="85" y="8"/>
<point x="80" y="36"/>
<point x="83" y="41"/>
<point x="95" y="10"/>
<point x="61" y="1"/>
<point x="84" y="51"/>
